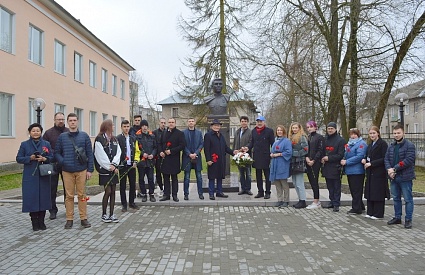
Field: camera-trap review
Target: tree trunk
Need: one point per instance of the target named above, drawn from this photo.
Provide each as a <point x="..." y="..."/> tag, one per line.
<point x="223" y="57"/>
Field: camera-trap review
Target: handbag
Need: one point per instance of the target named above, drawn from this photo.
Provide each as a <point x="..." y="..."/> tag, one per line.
<point x="298" y="167"/>
<point x="79" y="152"/>
<point x="47" y="169"/>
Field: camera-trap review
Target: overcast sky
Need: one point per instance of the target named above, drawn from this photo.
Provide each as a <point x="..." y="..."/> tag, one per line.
<point x="142" y="32"/>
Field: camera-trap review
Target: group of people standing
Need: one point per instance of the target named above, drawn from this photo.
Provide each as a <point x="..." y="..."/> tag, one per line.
<point x="277" y="156"/>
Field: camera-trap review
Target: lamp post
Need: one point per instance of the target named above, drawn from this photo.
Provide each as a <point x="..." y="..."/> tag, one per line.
<point x="402" y="98"/>
<point x="38" y="104"/>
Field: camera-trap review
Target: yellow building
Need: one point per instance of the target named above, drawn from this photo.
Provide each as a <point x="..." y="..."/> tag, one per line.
<point x="46" y="53"/>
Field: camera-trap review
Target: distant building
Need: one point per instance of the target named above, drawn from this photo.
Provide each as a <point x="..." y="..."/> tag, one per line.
<point x="47" y="53"/>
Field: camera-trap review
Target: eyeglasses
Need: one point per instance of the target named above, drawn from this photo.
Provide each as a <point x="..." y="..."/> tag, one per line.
<point x="60" y="119"/>
<point x="353" y="129"/>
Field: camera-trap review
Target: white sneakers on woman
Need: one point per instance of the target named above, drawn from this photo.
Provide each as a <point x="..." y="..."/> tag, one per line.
<point x="314" y="205"/>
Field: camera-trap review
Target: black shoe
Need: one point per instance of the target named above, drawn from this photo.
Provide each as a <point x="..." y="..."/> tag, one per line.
<point x="221" y="195"/>
<point x="336" y="209"/>
<point x="52" y="215"/>
<point x="139" y="195"/>
<point x="35" y="224"/>
<point x="124" y="209"/>
<point x="152" y="198"/>
<point x="144" y="198"/>
<point x="300" y="204"/>
<point x="85" y="223"/>
<point x="330" y="205"/>
<point x="394" y="221"/>
<point x="354" y="212"/>
<point x="407" y="224"/>
<point x="267" y="196"/>
<point x="249" y="193"/>
<point x="41" y="224"/>
<point x="259" y="195"/>
<point x="201" y="197"/>
<point x="175" y="199"/>
<point x="165" y="198"/>
<point x="241" y="193"/>
<point x="186" y="197"/>
<point x="212" y="197"/>
<point x="134" y="206"/>
<point x="68" y="224"/>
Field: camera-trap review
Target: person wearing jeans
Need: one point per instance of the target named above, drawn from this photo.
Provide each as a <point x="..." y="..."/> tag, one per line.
<point x="400" y="164"/>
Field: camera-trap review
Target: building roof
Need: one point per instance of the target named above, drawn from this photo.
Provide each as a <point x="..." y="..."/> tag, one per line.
<point x="413" y="90"/>
<point x="75" y="23"/>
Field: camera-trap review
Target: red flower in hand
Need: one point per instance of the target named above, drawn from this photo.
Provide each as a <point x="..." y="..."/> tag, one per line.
<point x="305" y="148"/>
<point x="168" y="144"/>
<point x="401" y="163"/>
<point x="214" y="157"/>
<point x="126" y="158"/>
<point x="346" y="146"/>
<point x="293" y="143"/>
<point x="45" y="150"/>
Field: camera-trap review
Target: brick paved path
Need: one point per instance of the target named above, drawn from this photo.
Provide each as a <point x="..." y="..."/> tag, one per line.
<point x="213" y="240"/>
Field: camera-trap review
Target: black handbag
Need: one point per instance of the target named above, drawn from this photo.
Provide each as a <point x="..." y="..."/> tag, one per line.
<point x="47" y="169"/>
<point x="79" y="152"/>
<point x="298" y="167"/>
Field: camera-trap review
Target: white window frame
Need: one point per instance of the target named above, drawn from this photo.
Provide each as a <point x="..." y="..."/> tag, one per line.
<point x="114" y="121"/>
<point x="78" y="67"/>
<point x="114" y="85"/>
<point x="92" y="74"/>
<point x="93" y="124"/>
<point x="7" y="120"/>
<point x="79" y="112"/>
<point x="104" y="116"/>
<point x="60" y="52"/>
<point x="416" y="128"/>
<point x="59" y="108"/>
<point x="36" y="45"/>
<point x="7" y="30"/>
<point x="104" y="77"/>
<point x="122" y="88"/>
<point x="406" y="109"/>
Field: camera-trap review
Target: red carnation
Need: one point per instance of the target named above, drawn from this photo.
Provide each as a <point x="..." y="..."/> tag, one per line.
<point x="305" y="148"/>
<point x="361" y="146"/>
<point x="293" y="143"/>
<point x="346" y="145"/>
<point x="401" y="163"/>
<point x="45" y="149"/>
<point x="277" y="147"/>
<point x="214" y="157"/>
<point x="168" y="144"/>
<point x="348" y="150"/>
<point x="126" y="158"/>
<point x="331" y="148"/>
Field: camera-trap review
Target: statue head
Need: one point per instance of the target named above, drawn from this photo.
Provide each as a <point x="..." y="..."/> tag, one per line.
<point x="217" y="85"/>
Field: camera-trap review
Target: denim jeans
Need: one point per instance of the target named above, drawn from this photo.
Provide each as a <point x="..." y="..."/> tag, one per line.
<point x="148" y="171"/>
<point x="245" y="178"/>
<point x="405" y="188"/>
<point x="334" y="188"/>
<point x="298" y="181"/>
<point x="211" y="187"/>
<point x="187" y="180"/>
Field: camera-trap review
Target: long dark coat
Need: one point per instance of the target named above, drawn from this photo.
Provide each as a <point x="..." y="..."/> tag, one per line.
<point x="35" y="189"/>
<point x="171" y="163"/>
<point x="334" y="149"/>
<point x="192" y="147"/>
<point x="214" y="144"/>
<point x="260" y="146"/>
<point x="376" y="188"/>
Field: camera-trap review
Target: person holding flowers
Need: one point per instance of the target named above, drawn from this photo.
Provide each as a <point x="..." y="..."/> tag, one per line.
<point x="299" y="151"/>
<point x="107" y="154"/>
<point x="331" y="169"/>
<point x="281" y="155"/>
<point x="145" y="152"/>
<point x="215" y="154"/>
<point x="35" y="188"/>
<point x="241" y="140"/>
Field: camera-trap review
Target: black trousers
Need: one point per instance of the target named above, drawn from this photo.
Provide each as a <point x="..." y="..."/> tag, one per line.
<point x="259" y="178"/>
<point x="334" y="188"/>
<point x="313" y="178"/>
<point x="54" y="190"/>
<point x="131" y="175"/>
<point x="376" y="208"/>
<point x="171" y="187"/>
<point x="158" y="174"/>
<point x="355" y="182"/>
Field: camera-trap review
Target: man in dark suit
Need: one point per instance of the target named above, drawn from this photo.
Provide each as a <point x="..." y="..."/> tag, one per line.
<point x="215" y="154"/>
<point x="261" y="142"/>
<point x="158" y="176"/>
<point x="191" y="157"/>
<point x="172" y="143"/>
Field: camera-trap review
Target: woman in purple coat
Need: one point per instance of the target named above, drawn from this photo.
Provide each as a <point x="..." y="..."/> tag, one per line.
<point x="35" y="188"/>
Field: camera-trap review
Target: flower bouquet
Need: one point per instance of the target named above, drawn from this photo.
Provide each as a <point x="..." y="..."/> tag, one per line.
<point x="242" y="159"/>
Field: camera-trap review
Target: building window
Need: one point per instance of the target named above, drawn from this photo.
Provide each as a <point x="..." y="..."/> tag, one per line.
<point x="392" y="112"/>
<point x="35" y="51"/>
<point x="59" y="108"/>
<point x="114" y="121"/>
<point x="416" y="128"/>
<point x="406" y="109"/>
<point x="79" y="113"/>
<point x="122" y="89"/>
<point x="92" y="74"/>
<point x="104" y="116"/>
<point x="6" y="30"/>
<point x="104" y="80"/>
<point x="59" y="57"/>
<point x="415" y="107"/>
<point x="122" y="119"/>
<point x="32" y="113"/>
<point x="92" y="123"/>
<point x="114" y="85"/>
<point x="6" y="118"/>
<point x="175" y="112"/>
<point x="78" y="67"/>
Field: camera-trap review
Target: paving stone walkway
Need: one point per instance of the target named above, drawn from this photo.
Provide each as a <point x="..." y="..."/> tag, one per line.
<point x="213" y="240"/>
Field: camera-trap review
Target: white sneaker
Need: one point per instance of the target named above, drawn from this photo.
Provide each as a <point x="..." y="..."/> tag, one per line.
<point x="106" y="219"/>
<point x="367" y="216"/>
<point x="113" y="219"/>
<point x="375" y="218"/>
<point x="161" y="193"/>
<point x="313" y="205"/>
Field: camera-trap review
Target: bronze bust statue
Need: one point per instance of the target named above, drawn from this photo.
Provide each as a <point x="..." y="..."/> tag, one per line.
<point x="217" y="102"/>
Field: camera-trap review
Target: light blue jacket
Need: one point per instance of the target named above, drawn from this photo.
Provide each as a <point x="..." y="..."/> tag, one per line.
<point x="355" y="151"/>
<point x="279" y="166"/>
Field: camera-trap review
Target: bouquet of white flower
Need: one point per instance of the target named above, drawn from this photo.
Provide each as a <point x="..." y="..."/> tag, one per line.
<point x="242" y="159"/>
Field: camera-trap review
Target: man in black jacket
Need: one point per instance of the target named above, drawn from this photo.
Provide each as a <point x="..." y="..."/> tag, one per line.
<point x="331" y="169"/>
<point x="158" y="175"/>
<point x="136" y="125"/>
<point x="52" y="136"/>
<point x="128" y="169"/>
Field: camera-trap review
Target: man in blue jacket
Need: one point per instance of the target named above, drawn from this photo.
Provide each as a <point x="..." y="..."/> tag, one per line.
<point x="75" y="155"/>
<point x="191" y="157"/>
<point x="400" y="164"/>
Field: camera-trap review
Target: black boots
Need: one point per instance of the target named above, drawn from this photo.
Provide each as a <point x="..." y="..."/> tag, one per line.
<point x="41" y="216"/>
<point x="35" y="226"/>
<point x="300" y="204"/>
<point x="37" y="220"/>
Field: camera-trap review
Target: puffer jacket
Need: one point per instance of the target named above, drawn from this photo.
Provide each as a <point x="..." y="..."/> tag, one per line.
<point x="65" y="152"/>
<point x="145" y="143"/>
<point x="354" y="153"/>
<point x="405" y="168"/>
